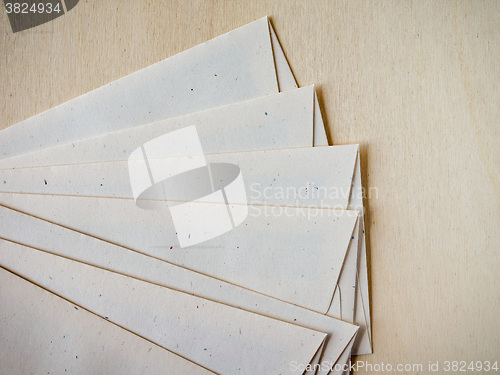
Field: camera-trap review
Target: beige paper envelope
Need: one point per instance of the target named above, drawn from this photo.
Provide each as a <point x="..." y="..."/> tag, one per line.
<point x="242" y="64"/>
<point x="316" y="176"/>
<point x="218" y="337"/>
<point x="43" y="333"/>
<point x="89" y="250"/>
<point x="233" y="67"/>
<point x="247" y="74"/>
<point x="282" y="120"/>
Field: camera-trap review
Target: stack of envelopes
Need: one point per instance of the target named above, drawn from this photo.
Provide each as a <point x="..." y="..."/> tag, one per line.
<point x="191" y="217"/>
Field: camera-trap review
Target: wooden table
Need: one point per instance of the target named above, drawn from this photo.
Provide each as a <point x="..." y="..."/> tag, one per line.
<point x="415" y="83"/>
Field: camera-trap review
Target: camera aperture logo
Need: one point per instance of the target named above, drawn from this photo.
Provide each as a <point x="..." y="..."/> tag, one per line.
<point x="205" y="200"/>
<point x="25" y="14"/>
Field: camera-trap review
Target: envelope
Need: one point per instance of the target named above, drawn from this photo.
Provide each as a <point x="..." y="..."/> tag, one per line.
<point x="282" y="120"/>
<point x="215" y="336"/>
<point x="50" y="335"/>
<point x="233" y="67"/>
<point x="90" y="250"/>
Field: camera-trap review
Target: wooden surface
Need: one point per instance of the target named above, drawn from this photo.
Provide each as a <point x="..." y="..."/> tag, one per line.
<point x="415" y="83"/>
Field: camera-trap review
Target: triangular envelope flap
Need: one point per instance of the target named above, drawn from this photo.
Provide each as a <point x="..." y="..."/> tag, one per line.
<point x="363" y="344"/>
<point x="223" y="339"/>
<point x="43" y="331"/>
<point x="289" y="177"/>
<point x="281" y="120"/>
<point x="78" y="246"/>
<point x="235" y="66"/>
<point x="314" y="362"/>
<point x="286" y="80"/>
<point x="344" y="298"/>
<point x="342" y="365"/>
<point x="319" y="133"/>
<point x="356" y="198"/>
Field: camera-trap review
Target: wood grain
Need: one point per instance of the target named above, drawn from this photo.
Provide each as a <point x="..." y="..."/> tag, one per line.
<point x="415" y="83"/>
